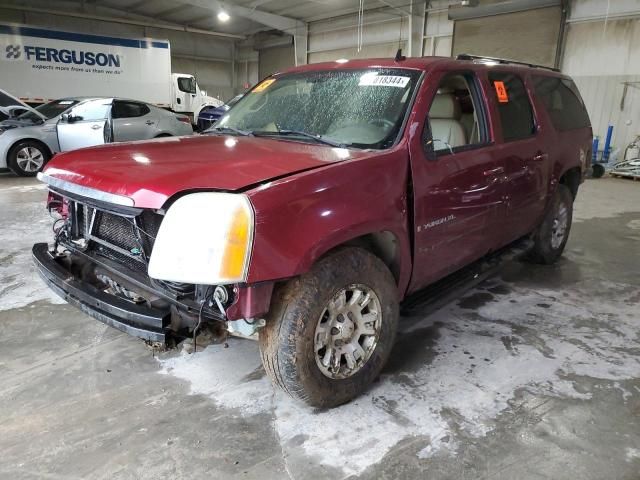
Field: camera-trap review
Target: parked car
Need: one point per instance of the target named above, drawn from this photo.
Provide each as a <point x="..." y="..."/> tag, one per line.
<point x="209" y="115"/>
<point x="29" y="140"/>
<point x="326" y="195"/>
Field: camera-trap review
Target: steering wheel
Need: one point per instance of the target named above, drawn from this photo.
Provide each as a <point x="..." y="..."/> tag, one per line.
<point x="381" y="122"/>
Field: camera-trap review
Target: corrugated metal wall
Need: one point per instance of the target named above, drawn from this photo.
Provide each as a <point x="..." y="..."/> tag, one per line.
<point x="530" y="36"/>
<point x="384" y="32"/>
<point x="601" y="56"/>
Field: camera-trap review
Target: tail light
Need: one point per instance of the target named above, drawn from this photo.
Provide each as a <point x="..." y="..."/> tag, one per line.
<point x="184" y="119"/>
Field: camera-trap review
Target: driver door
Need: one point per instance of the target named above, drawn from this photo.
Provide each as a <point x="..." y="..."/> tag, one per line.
<point x="186" y="94"/>
<point x="86" y="125"/>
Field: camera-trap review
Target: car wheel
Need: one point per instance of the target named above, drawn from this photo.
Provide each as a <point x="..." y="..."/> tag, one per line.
<point x="330" y="331"/>
<point x="552" y="234"/>
<point x="26" y="158"/>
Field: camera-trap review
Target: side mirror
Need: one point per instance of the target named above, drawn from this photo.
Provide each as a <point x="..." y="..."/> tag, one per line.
<point x="64" y="118"/>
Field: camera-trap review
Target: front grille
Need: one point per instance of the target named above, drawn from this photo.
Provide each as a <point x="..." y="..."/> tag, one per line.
<point x="126" y="240"/>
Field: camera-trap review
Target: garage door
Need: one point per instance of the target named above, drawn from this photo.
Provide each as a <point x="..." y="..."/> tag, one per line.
<point x="527" y="36"/>
<point x="275" y="59"/>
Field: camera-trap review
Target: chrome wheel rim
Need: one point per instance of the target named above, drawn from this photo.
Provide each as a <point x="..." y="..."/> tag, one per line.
<point x="30" y="159"/>
<point x="347" y="332"/>
<point x="559" y="227"/>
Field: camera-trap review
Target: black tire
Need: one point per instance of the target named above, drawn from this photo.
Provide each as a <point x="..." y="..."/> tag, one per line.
<point x="597" y="170"/>
<point x="546" y="249"/>
<point x="287" y="342"/>
<point x="22" y="167"/>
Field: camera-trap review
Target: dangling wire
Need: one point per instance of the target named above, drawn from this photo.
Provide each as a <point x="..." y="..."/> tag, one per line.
<point x="360" y="25"/>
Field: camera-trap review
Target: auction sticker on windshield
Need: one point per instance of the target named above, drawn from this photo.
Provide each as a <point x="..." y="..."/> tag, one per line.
<point x="373" y="79"/>
<point x="263" y="86"/>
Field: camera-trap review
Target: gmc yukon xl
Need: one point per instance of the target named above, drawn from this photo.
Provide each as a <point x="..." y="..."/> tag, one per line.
<point x="324" y="197"/>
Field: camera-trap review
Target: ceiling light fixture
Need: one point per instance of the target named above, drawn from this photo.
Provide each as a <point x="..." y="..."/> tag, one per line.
<point x="223" y="16"/>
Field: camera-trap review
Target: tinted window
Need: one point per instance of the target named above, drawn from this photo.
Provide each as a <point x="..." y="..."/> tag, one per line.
<point x="516" y="113"/>
<point x="187" y="84"/>
<point x="562" y="101"/>
<point x="129" y="109"/>
<point x="93" y="110"/>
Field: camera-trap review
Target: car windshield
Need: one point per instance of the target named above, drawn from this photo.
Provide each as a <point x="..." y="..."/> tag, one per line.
<point x="48" y="110"/>
<point x="357" y="108"/>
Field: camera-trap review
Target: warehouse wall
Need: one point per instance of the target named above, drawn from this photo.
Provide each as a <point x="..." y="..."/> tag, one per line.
<point x="214" y="76"/>
<point x="601" y="54"/>
<point x="337" y="38"/>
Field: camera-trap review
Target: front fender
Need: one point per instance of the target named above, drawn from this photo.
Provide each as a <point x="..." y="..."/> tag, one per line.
<point x="300" y="218"/>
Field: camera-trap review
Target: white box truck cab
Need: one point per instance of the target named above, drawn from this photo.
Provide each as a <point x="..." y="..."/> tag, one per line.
<point x="38" y="65"/>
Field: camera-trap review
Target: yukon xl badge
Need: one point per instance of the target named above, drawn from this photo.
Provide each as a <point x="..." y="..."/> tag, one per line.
<point x="436" y="222"/>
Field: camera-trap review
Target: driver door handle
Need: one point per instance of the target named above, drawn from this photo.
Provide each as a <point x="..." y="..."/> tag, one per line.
<point x="540" y="156"/>
<point x="96" y="127"/>
<point x="149" y="122"/>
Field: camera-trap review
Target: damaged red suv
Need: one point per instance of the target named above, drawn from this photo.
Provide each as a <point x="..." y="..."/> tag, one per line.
<point x="324" y="197"/>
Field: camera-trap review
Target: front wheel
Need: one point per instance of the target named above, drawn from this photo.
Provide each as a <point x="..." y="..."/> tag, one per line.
<point x="330" y="332"/>
<point x="27" y="157"/>
<point x="552" y="234"/>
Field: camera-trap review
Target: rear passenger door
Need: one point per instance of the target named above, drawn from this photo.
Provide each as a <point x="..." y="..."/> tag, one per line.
<point x="525" y="153"/>
<point x="133" y="121"/>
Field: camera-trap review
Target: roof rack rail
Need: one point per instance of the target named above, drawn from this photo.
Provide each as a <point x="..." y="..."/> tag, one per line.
<point x="504" y="61"/>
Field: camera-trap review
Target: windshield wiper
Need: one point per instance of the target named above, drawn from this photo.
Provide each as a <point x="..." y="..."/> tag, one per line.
<point x="285" y="132"/>
<point x="244" y="133"/>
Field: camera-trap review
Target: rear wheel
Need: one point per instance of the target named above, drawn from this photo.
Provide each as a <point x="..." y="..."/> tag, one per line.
<point x="26" y="158"/>
<point x="330" y="332"/>
<point x="552" y="234"/>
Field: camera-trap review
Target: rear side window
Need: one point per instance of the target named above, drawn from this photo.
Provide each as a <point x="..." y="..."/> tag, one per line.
<point x="516" y="113"/>
<point x="129" y="109"/>
<point x="562" y="101"/>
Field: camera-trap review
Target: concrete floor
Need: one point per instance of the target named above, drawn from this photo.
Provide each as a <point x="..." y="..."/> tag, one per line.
<point x="534" y="374"/>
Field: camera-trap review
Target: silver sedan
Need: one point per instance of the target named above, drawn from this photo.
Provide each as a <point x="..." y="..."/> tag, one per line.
<point x="28" y="141"/>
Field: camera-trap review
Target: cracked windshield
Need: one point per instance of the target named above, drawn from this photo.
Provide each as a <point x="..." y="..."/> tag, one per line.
<point x="348" y="108"/>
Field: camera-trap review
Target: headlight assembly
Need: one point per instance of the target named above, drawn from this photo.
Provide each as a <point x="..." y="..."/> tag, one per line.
<point x="205" y="238"/>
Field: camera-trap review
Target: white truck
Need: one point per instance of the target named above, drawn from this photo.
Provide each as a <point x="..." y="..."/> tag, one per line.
<point x="38" y="65"/>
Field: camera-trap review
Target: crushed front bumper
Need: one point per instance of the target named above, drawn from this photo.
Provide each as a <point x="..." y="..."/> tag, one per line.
<point x="136" y="320"/>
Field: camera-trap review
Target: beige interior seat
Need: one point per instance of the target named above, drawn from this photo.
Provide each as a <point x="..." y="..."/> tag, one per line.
<point x="446" y="127"/>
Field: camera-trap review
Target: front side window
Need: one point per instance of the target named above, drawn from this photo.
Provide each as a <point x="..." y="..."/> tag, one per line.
<point x="357" y="108"/>
<point x="514" y="107"/>
<point x="456" y="116"/>
<point x="92" y="110"/>
<point x="562" y="102"/>
<point x="187" y="84"/>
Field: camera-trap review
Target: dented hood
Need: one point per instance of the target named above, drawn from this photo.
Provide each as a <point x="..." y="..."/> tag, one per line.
<point x="150" y="172"/>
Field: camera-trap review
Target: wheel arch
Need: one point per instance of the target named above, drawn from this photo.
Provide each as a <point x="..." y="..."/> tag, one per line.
<point x="571" y="178"/>
<point x="383" y="243"/>
<point x="29" y="139"/>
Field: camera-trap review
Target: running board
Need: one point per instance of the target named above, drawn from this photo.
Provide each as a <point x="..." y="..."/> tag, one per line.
<point x="452" y="287"/>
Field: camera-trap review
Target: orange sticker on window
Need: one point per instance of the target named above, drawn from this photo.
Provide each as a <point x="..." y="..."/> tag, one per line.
<point x="501" y="92"/>
<point x="263" y="86"/>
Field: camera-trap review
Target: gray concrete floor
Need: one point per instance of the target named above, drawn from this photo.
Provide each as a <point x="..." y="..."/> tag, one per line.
<point x="534" y="374"/>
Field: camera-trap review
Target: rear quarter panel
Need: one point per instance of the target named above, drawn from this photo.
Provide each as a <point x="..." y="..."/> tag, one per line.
<point x="300" y="218"/>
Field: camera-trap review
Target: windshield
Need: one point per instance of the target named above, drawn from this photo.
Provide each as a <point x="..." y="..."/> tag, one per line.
<point x="49" y="110"/>
<point x="359" y="108"/>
